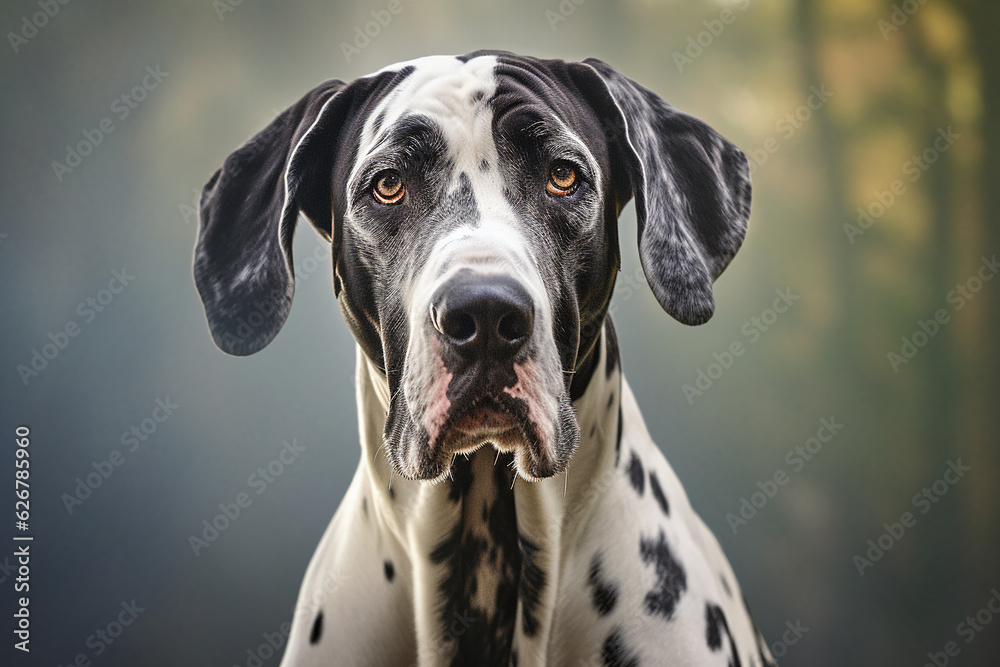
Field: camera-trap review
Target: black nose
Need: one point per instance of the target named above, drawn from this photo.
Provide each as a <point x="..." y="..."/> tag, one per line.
<point x="483" y="316"/>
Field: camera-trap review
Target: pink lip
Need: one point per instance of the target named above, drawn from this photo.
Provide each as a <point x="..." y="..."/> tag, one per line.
<point x="527" y="389"/>
<point x="437" y="406"/>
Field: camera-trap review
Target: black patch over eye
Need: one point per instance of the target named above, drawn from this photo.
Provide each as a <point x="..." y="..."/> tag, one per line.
<point x="563" y="179"/>
<point x="388" y="187"/>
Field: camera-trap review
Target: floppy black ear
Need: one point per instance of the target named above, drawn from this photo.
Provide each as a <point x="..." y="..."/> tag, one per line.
<point x="691" y="189"/>
<point x="243" y="259"/>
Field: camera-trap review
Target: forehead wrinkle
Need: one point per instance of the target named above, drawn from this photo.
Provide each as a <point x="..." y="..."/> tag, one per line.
<point x="448" y="92"/>
<point x="413" y="137"/>
<point x="440" y="87"/>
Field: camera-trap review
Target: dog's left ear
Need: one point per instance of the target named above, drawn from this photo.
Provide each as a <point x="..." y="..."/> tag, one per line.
<point x="243" y="260"/>
<point x="691" y="189"/>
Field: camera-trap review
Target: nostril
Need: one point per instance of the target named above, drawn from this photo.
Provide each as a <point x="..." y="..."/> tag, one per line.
<point x="482" y="317"/>
<point x="458" y="326"/>
<point x="512" y="327"/>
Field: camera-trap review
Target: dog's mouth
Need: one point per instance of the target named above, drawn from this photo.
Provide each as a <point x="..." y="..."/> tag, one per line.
<point x="497" y="421"/>
<point x="485" y="420"/>
<point x="509" y="409"/>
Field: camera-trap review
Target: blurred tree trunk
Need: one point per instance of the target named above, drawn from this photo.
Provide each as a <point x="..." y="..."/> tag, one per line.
<point x="932" y="555"/>
<point x="843" y="366"/>
<point x="983" y="20"/>
<point x="942" y="539"/>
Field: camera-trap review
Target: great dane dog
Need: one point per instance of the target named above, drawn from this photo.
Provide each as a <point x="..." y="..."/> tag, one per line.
<point x="509" y="507"/>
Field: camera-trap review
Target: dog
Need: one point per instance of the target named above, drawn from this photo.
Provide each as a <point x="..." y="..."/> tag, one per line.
<point x="510" y="507"/>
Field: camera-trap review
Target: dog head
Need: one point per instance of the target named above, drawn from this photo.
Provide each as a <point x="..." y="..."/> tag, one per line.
<point x="472" y="203"/>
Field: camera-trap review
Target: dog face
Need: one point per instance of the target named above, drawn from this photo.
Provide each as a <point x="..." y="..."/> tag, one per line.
<point x="471" y="203"/>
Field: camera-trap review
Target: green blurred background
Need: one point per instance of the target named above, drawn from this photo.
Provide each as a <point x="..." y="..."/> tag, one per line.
<point x="838" y="103"/>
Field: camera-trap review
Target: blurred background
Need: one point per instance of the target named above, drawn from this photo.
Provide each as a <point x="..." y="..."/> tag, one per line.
<point x="872" y="128"/>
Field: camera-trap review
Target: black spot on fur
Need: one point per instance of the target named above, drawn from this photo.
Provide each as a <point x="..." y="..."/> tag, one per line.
<point x="636" y="475"/>
<point x="603" y="592"/>
<point x="364" y="505"/>
<point x="390" y="571"/>
<point x="478" y="96"/>
<point x="463" y="555"/>
<point x="484" y="165"/>
<point x="611" y="400"/>
<point x="513" y="658"/>
<point x="618" y="439"/>
<point x="593" y="430"/>
<point x="715" y="620"/>
<point x="725" y="585"/>
<point x="461" y="479"/>
<point x="615" y="653"/>
<point x="392" y="493"/>
<point x="317" y="629"/>
<point x="532" y="584"/>
<point x="657" y="491"/>
<point x="671" y="579"/>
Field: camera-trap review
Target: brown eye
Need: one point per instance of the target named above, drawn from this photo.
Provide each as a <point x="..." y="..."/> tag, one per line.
<point x="562" y="179"/>
<point x="388" y="187"/>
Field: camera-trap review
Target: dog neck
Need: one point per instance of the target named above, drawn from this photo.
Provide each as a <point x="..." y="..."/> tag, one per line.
<point x="490" y="544"/>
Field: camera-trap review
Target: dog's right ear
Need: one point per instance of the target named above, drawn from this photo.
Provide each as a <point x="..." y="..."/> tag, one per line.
<point x="691" y="189"/>
<point x="243" y="260"/>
